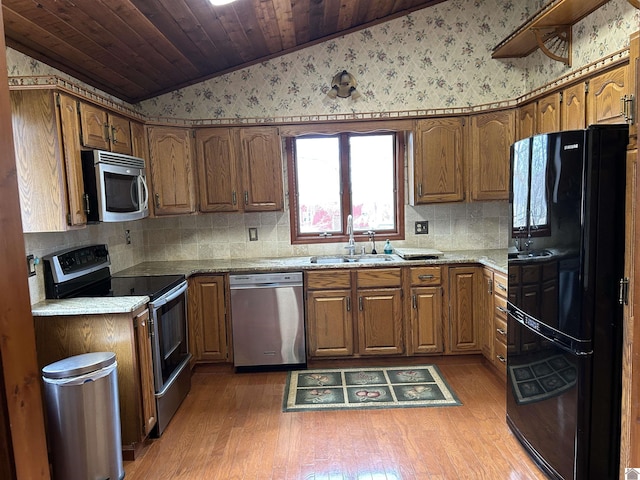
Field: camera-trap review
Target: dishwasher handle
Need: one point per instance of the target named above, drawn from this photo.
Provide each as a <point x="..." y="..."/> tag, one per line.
<point x="265" y="280"/>
<point x="254" y="286"/>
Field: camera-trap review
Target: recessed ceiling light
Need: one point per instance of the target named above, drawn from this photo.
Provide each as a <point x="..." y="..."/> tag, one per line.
<point x="217" y="3"/>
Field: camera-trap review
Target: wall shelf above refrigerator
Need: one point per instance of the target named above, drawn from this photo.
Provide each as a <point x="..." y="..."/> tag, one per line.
<point x="549" y="30"/>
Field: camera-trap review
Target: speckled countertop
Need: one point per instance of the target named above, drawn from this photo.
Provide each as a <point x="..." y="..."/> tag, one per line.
<point x="496" y="259"/>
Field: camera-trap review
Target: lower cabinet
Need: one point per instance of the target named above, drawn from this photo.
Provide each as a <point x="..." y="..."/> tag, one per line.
<point x="464" y="321"/>
<point x="354" y="312"/>
<point x="126" y="335"/>
<point x="425" y="319"/>
<point x="208" y="340"/>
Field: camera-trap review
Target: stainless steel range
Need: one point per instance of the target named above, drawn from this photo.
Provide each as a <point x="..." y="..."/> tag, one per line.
<point x="85" y="272"/>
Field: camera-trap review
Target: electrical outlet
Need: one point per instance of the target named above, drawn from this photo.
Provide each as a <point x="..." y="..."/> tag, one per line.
<point x="127" y="237"/>
<point x="31" y="265"/>
<point x="422" y="228"/>
<point x="253" y="234"/>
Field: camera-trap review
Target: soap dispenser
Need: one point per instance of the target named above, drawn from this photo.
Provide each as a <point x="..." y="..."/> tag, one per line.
<point x="387" y="248"/>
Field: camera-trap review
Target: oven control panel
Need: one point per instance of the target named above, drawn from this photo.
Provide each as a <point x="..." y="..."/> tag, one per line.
<point x="73" y="263"/>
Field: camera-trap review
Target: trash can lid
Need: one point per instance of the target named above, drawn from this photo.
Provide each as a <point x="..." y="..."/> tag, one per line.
<point x="79" y="365"/>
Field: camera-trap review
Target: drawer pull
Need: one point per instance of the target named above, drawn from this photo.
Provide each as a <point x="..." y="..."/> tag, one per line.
<point x="501" y="309"/>
<point x="501" y="358"/>
<point x="426" y="277"/>
<point x="414" y="302"/>
<point x="348" y="304"/>
<point x="501" y="287"/>
<point x="501" y="331"/>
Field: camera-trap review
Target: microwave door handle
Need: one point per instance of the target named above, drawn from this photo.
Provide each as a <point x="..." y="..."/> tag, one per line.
<point x="143" y="183"/>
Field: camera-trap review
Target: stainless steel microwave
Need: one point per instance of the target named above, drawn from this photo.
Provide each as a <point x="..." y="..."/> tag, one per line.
<point x="115" y="187"/>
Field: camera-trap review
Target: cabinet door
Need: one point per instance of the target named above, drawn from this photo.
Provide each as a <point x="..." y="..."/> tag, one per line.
<point x="329" y="323"/>
<point x="426" y="320"/>
<point x="573" y="108"/>
<point x="172" y="175"/>
<point x="120" y="134"/>
<point x="548" y="117"/>
<point x="380" y="321"/>
<point x="486" y="314"/>
<point x="207" y="319"/>
<point x="145" y="369"/>
<point x="217" y="172"/>
<point x="261" y="169"/>
<point x="94" y="126"/>
<point x="464" y="323"/>
<point x="526" y="125"/>
<point x="491" y="137"/>
<point x="605" y="93"/>
<point x="139" y="146"/>
<point x="438" y="160"/>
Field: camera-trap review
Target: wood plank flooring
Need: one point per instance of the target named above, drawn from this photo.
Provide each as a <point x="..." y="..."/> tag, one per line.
<point x="231" y="426"/>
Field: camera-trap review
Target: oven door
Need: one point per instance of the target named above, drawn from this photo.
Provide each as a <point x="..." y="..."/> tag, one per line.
<point x="170" y="341"/>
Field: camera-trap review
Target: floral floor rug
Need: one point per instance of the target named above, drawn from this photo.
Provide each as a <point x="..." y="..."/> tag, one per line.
<point x="360" y="388"/>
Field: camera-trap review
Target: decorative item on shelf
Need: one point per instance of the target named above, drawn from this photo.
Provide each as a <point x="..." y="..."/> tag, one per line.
<point x="343" y="85"/>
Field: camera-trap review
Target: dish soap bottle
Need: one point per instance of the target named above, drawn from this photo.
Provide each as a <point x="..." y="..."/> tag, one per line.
<point x="387" y="248"/>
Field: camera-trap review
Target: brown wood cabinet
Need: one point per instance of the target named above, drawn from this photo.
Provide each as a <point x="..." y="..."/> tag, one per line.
<point x="500" y="333"/>
<point x="139" y="144"/>
<point x="526" y="125"/>
<point x="425" y="327"/>
<point x="357" y="315"/>
<point x="548" y="118"/>
<point x="605" y="94"/>
<point x="46" y="136"/>
<point x="573" y="108"/>
<point x="208" y="340"/>
<point x="329" y="314"/>
<point x="491" y="136"/>
<point x="125" y="334"/>
<point x="104" y="130"/>
<point x="438" y="161"/>
<point x="486" y="313"/>
<point x="239" y="169"/>
<point x="171" y="162"/>
<point x="464" y="323"/>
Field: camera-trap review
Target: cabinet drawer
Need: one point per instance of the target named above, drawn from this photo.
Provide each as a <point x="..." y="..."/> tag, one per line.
<point x="501" y="329"/>
<point x="379" y="277"/>
<point x="426" y="275"/>
<point x="328" y="279"/>
<point x="501" y="306"/>
<point x="500" y="284"/>
<point x="500" y="359"/>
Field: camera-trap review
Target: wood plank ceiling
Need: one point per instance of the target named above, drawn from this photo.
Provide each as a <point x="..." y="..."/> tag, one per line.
<point x="138" y="49"/>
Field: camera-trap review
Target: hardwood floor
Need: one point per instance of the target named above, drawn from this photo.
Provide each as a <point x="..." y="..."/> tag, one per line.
<point x="231" y="427"/>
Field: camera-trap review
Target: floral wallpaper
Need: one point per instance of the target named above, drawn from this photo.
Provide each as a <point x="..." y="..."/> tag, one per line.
<point x="438" y="57"/>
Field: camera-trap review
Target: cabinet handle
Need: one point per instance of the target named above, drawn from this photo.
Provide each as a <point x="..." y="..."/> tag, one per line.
<point x="501" y="309"/>
<point x="246" y="197"/>
<point x="501" y="358"/>
<point x="113" y="135"/>
<point x="87" y="210"/>
<point x="157" y="197"/>
<point x="490" y="287"/>
<point x="420" y="189"/>
<point x="501" y="331"/>
<point x="426" y="277"/>
<point x="348" y="304"/>
<point x="106" y="132"/>
<point x="360" y="304"/>
<point x="234" y="198"/>
<point x="414" y="302"/>
<point x="501" y="287"/>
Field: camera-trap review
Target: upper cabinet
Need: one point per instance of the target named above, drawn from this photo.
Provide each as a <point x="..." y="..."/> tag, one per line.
<point x="103" y="130"/>
<point x="539" y="116"/>
<point x="491" y="135"/>
<point x="573" y="108"/>
<point x="139" y="145"/>
<point x="239" y="169"/>
<point x="172" y="170"/>
<point x="438" y="159"/>
<point x="605" y="97"/>
<point x="46" y="136"/>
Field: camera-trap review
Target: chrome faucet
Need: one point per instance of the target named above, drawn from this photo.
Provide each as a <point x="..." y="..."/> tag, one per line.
<point x="351" y="246"/>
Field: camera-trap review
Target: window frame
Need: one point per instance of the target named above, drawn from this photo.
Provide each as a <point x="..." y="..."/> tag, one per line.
<point x="298" y="238"/>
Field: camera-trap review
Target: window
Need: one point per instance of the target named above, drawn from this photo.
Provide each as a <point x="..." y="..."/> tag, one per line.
<point x="333" y="176"/>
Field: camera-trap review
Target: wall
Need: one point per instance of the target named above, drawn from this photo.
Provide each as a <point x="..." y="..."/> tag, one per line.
<point x="435" y="58"/>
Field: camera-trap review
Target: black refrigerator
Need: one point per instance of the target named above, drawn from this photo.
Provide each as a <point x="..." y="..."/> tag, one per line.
<point x="565" y="266"/>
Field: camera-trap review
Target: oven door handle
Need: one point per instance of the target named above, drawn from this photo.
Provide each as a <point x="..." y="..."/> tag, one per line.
<point x="169" y="296"/>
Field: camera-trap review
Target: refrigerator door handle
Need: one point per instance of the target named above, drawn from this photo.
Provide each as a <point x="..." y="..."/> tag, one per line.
<point x="623" y="295"/>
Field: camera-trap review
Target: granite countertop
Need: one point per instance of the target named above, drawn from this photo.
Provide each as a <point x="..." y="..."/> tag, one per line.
<point x="496" y="259"/>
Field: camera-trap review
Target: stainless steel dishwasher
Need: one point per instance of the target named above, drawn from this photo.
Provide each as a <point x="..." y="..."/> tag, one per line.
<point x="267" y="319"/>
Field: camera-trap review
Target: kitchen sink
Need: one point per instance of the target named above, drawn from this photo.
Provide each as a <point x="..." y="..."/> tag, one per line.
<point x="366" y="258"/>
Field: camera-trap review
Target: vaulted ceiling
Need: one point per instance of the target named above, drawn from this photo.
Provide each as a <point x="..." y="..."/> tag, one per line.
<point x="138" y="49"/>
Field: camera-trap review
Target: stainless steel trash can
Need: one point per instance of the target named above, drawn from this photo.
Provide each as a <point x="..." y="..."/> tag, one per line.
<point x="83" y="417"/>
